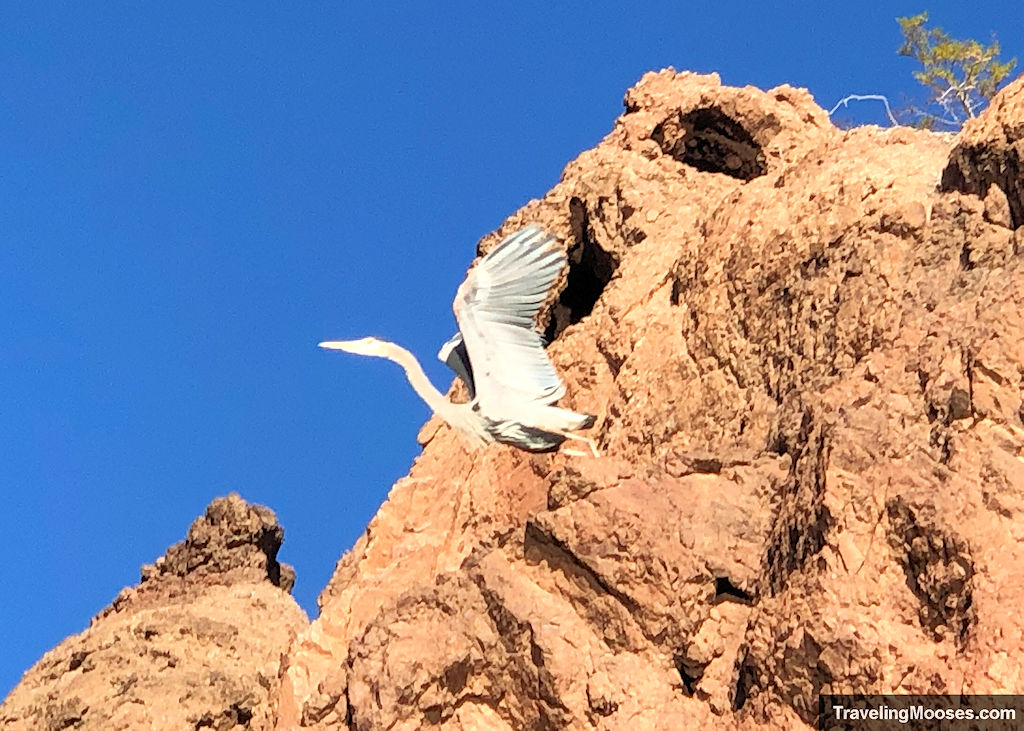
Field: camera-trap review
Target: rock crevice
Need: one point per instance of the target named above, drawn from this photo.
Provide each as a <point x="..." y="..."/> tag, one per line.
<point x="804" y="348"/>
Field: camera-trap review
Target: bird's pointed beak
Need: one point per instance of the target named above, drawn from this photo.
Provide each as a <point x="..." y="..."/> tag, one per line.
<point x="335" y="345"/>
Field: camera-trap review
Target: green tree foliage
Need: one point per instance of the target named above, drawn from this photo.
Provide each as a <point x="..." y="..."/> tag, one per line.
<point x="961" y="75"/>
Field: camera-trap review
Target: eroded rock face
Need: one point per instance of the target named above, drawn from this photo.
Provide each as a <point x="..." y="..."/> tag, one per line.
<point x="197" y="644"/>
<point x="806" y="362"/>
<point x="988" y="159"/>
<point x="804" y="347"/>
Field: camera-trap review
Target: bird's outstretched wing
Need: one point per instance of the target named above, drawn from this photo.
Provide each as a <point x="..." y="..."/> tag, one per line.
<point x="496" y="308"/>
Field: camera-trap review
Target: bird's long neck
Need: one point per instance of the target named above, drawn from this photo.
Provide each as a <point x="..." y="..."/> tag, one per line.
<point x="418" y="379"/>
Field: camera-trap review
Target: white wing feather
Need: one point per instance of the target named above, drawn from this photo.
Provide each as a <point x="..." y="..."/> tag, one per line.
<point x="496" y="308"/>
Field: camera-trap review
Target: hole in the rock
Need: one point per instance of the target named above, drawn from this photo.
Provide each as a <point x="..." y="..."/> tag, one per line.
<point x="587" y="281"/>
<point x="590" y="270"/>
<point x="677" y="291"/>
<point x="711" y="141"/>
<point x="965" y="258"/>
<point x="726" y="591"/>
<point x="744" y="682"/>
<point x="974" y="168"/>
<point x="243" y="716"/>
<point x="690" y="673"/>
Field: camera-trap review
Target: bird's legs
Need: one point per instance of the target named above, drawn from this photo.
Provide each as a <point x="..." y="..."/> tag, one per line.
<point x="579" y="437"/>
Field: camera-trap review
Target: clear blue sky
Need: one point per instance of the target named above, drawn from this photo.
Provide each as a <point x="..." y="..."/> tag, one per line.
<point x="191" y="197"/>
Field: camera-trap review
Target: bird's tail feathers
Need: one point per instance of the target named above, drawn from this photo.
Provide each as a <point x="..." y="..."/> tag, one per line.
<point x="557" y="419"/>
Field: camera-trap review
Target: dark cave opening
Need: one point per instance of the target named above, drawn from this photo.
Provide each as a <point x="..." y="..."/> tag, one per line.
<point x="590" y="270"/>
<point x="690" y="673"/>
<point x="726" y="591"/>
<point x="713" y="142"/>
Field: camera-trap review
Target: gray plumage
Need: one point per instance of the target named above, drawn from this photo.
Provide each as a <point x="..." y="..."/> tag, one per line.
<point x="453" y="354"/>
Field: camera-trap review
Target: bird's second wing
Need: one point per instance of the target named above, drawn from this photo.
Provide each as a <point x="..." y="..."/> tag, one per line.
<point x="496" y="308"/>
<point x="453" y="354"/>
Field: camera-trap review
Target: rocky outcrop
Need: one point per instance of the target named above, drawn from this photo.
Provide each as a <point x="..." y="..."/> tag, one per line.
<point x="988" y="159"/>
<point x="804" y="346"/>
<point x="197" y="644"/>
<point x="805" y="357"/>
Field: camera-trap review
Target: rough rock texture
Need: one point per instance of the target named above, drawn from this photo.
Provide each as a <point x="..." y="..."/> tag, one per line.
<point x="197" y="644"/>
<point x="990" y="152"/>
<point x="806" y="358"/>
<point x="805" y="348"/>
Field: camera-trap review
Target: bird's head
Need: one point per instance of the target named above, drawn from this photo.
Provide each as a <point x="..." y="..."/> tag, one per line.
<point x="362" y="346"/>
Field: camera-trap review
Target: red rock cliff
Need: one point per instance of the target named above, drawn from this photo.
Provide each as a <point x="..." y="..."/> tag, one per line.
<point x="805" y="348"/>
<point x="197" y="644"/>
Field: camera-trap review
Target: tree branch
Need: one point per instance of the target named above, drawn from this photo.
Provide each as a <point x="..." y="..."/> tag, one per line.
<point x="845" y="102"/>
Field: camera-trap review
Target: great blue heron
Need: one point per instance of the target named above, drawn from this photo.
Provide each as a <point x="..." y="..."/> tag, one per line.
<point x="497" y="351"/>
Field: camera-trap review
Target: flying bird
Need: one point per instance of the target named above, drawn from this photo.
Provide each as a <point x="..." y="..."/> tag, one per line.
<point x="497" y="352"/>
